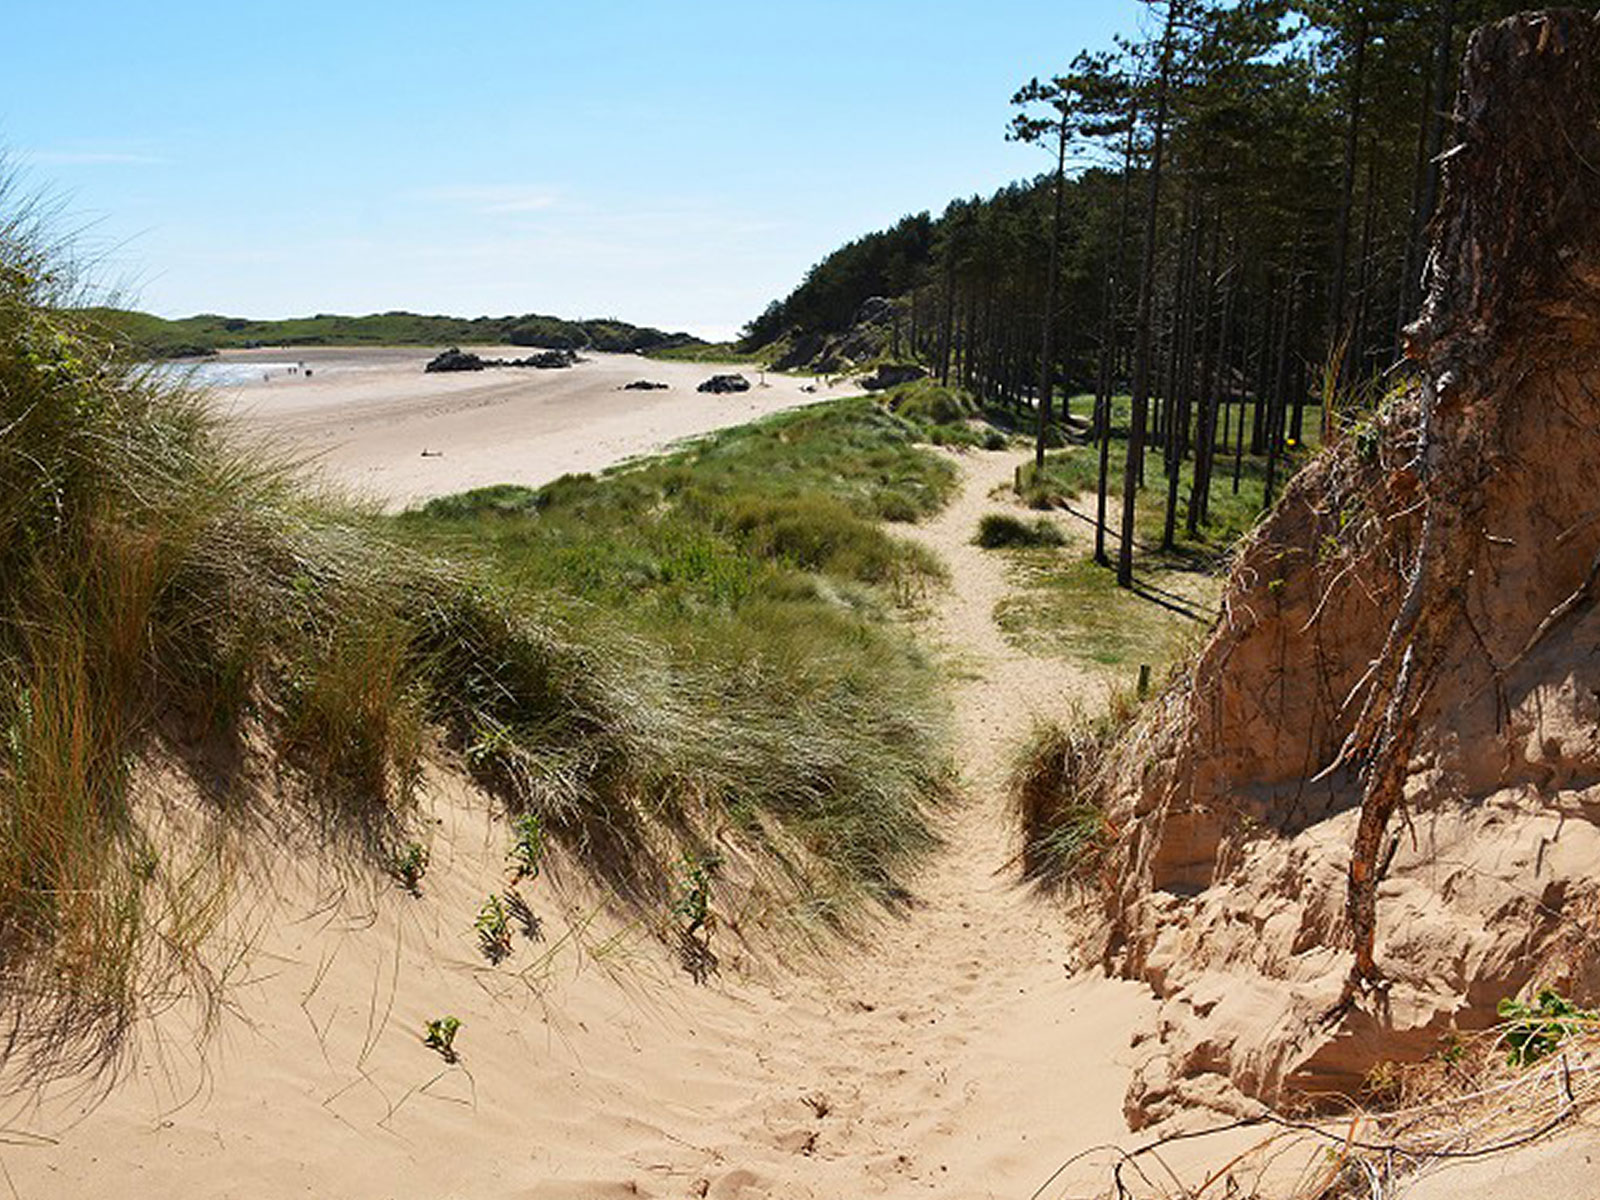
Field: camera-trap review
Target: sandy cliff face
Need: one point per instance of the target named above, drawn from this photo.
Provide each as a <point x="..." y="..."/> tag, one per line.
<point x="1409" y="661"/>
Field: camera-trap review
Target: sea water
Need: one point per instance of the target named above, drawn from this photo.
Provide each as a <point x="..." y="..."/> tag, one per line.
<point x="223" y="374"/>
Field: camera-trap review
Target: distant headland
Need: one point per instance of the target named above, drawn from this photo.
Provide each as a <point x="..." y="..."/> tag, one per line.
<point x="203" y="335"/>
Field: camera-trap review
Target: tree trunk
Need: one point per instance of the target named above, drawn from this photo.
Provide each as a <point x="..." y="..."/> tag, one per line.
<point x="1269" y="329"/>
<point x="1180" y="373"/>
<point x="1047" y="366"/>
<point x="1360" y="347"/>
<point x="1511" y="300"/>
<point x="947" y="327"/>
<point x="1338" y="334"/>
<point x="1147" y="270"/>
<point x="1443" y="64"/>
<point x="1110" y="346"/>
<point x="1206" y="433"/>
<point x="1280" y="390"/>
<point x="969" y="339"/>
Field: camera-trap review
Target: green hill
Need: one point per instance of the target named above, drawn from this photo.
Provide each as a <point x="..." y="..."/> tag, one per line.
<point x="159" y="337"/>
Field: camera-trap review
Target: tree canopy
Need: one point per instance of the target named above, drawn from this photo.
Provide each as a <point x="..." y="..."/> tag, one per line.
<point x="1249" y="184"/>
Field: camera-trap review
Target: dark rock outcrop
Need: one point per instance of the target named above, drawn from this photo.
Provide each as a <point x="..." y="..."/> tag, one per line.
<point x="801" y="353"/>
<point x="874" y="310"/>
<point x="869" y="336"/>
<point x="550" y="360"/>
<point x="725" y="383"/>
<point x="454" y="359"/>
<point x="892" y="375"/>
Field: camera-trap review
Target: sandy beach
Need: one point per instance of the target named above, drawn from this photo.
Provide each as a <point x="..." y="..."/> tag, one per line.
<point x="373" y="421"/>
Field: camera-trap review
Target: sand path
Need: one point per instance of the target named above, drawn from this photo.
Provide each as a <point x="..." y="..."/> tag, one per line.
<point x="956" y="1050"/>
<point x="964" y="1054"/>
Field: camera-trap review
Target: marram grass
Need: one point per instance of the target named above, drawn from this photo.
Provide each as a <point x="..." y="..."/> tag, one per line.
<point x="692" y="650"/>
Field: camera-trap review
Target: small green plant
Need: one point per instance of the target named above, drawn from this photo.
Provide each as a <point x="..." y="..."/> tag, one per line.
<point x="1368" y="438"/>
<point x="1535" y="1030"/>
<point x="490" y="743"/>
<point x="440" y="1034"/>
<point x="527" y="847"/>
<point x="693" y="903"/>
<point x="1384" y="1084"/>
<point x="494" y="929"/>
<point x="409" y="866"/>
<point x="1452" y="1048"/>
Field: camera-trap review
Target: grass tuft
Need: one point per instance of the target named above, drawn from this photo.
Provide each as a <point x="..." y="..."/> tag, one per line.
<point x="1000" y="530"/>
<point x="930" y="403"/>
<point x="1066" y="834"/>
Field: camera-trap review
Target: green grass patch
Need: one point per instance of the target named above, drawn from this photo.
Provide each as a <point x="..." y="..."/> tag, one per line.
<point x="709" y="352"/>
<point x="769" y="510"/>
<point x="997" y="530"/>
<point x="949" y="416"/>
<point x="996" y="439"/>
<point x="930" y="403"/>
<point x="960" y="436"/>
<point x="1070" y="606"/>
<point x="1075" y="607"/>
<point x="1070" y="478"/>
<point x="754" y="570"/>
<point x="1056" y="787"/>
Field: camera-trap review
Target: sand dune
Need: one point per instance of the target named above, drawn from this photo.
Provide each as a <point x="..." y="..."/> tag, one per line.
<point x="955" y="1050"/>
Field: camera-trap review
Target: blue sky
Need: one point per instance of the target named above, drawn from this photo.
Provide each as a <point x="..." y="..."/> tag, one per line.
<point x="670" y="164"/>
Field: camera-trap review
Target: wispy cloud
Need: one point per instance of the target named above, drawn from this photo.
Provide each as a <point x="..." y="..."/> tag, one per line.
<point x="496" y="199"/>
<point x="91" y="158"/>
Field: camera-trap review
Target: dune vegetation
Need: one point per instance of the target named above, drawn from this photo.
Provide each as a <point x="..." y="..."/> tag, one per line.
<point x="690" y="648"/>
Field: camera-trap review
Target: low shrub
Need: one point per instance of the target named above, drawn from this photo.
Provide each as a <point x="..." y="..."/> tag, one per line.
<point x="1055" y="801"/>
<point x="1531" y="1031"/>
<point x="930" y="403"/>
<point x="1000" y="530"/>
<point x="954" y="435"/>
